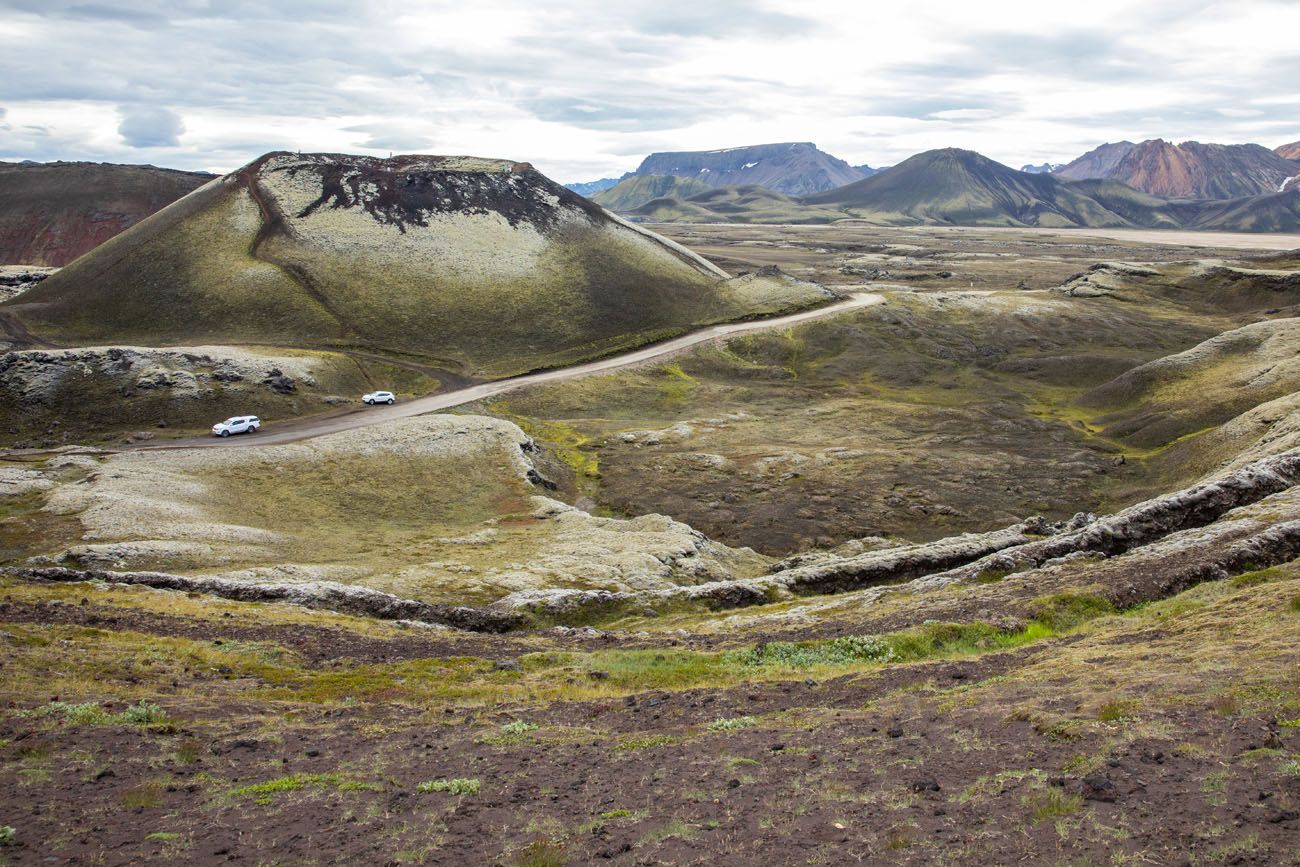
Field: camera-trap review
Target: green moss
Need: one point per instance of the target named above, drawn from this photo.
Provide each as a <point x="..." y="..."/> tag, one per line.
<point x="675" y="386"/>
<point x="569" y="445"/>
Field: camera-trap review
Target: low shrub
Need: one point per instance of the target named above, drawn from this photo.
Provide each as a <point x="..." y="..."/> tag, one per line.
<point x="727" y="725"/>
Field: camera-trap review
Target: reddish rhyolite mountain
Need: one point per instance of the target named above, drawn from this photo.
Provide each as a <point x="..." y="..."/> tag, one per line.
<point x="1190" y="170"/>
<point x="51" y="213"/>
<point x="793" y="168"/>
<point x="1289" y="151"/>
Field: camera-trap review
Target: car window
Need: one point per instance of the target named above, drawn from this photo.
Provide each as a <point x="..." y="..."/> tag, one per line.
<point x="231" y="421"/>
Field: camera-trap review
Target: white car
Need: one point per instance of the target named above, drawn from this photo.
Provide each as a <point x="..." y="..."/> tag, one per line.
<point x="378" y="397"/>
<point x="237" y="424"/>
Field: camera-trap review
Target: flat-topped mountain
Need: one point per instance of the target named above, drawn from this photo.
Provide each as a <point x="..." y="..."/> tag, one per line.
<point x="793" y="168"/>
<point x="482" y="267"/>
<point x="1190" y="170"/>
<point x="51" y="213"/>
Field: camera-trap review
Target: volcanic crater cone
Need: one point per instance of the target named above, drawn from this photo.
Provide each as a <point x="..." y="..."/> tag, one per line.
<point x="481" y="267"/>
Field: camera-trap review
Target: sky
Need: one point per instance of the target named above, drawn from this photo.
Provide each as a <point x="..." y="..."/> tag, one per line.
<point x="584" y="89"/>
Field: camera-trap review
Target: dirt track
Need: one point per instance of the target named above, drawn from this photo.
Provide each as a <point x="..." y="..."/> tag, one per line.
<point x="363" y="417"/>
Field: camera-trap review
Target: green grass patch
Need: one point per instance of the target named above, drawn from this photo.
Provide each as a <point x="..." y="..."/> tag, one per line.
<point x="844" y="650"/>
<point x="1260" y="576"/>
<point x="1051" y="803"/>
<point x="1116" y="710"/>
<point x="291" y="783"/>
<point x="457" y="786"/>
<point x="1065" y="611"/>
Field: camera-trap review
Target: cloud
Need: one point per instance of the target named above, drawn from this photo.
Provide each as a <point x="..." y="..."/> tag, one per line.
<point x="150" y="127"/>
<point x="585" y="88"/>
<point x="396" y="136"/>
<point x="965" y="114"/>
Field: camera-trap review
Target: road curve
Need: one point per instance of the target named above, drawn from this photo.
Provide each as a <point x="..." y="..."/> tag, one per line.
<point x="294" y="431"/>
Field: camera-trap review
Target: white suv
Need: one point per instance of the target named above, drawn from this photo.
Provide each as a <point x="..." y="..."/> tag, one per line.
<point x="237" y="424"/>
<point x="378" y="397"/>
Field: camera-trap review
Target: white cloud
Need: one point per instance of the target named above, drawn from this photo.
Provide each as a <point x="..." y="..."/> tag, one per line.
<point x="585" y="88"/>
<point x="146" y="126"/>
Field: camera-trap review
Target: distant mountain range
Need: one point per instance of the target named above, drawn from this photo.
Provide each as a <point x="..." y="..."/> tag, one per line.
<point x="1190" y="170"/>
<point x="963" y="188"/>
<point x="51" y="213"/>
<point x="590" y="188"/>
<point x="1042" y="169"/>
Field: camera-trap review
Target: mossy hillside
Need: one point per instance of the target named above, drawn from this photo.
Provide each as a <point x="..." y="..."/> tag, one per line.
<point x="186" y="275"/>
<point x="1200" y="388"/>
<point x="589" y="292"/>
<point x="633" y="192"/>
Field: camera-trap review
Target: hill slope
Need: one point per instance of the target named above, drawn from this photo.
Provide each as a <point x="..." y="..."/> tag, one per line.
<point x="1096" y="163"/>
<point x="793" y="168"/>
<point x="480" y="267"/>
<point x="1191" y="170"/>
<point x="745" y="204"/>
<point x="962" y="187"/>
<point x="635" y="190"/>
<point x="51" y="213"/>
<point x="1289" y="151"/>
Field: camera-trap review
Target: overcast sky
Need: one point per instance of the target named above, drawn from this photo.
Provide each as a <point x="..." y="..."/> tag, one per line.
<point x="586" y="89"/>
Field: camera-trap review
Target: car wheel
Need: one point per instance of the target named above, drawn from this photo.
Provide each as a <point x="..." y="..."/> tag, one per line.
<point x="225" y="433"/>
<point x="370" y="403"/>
<point x="253" y="429"/>
<point x="390" y="401"/>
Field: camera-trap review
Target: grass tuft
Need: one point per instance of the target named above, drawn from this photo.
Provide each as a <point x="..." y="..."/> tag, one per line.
<point x="1065" y="611"/>
<point x="1052" y="804"/>
<point x="456" y="786"/>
